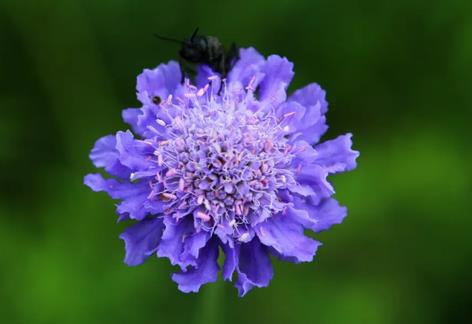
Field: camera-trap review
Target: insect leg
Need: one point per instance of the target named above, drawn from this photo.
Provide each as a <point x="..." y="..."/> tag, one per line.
<point x="232" y="56"/>
<point x="187" y="69"/>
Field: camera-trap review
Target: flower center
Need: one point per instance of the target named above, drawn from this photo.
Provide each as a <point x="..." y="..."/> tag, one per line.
<point x="224" y="164"/>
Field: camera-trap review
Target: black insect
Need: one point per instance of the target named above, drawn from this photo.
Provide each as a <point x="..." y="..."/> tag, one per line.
<point x="199" y="49"/>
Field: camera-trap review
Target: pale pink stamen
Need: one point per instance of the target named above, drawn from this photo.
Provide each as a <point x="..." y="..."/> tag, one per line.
<point x="203" y="216"/>
<point x="202" y="91"/>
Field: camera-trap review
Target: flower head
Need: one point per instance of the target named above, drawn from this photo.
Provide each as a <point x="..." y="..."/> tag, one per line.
<point x="231" y="165"/>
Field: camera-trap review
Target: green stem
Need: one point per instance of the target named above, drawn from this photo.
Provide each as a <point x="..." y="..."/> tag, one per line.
<point x="211" y="308"/>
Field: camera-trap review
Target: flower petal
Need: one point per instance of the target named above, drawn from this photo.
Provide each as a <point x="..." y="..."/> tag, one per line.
<point x="291" y="115"/>
<point x="174" y="243"/>
<point x="285" y="234"/>
<point x="247" y="67"/>
<point x="134" y="195"/>
<point x="254" y="267"/>
<point x="231" y="260"/>
<point x="140" y="120"/>
<point x="146" y="124"/>
<point x="192" y="246"/>
<point x="205" y="271"/>
<point x="300" y="122"/>
<point x="130" y="116"/>
<point x="336" y="155"/>
<point x="161" y="81"/>
<point x="278" y="74"/>
<point x="315" y="176"/>
<point x="312" y="97"/>
<point x="133" y="154"/>
<point x="318" y="217"/>
<point x="304" y="153"/>
<point x="328" y="214"/>
<point x="105" y="155"/>
<point x="204" y="72"/>
<point x="141" y="240"/>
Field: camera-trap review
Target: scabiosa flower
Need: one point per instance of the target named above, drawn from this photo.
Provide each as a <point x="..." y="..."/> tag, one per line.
<point x="227" y="166"/>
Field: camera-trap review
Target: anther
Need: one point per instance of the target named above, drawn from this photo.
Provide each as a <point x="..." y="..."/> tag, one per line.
<point x="244" y="237"/>
<point x="167" y="196"/>
<point x="250" y="84"/>
<point x="202" y="91"/>
<point x="203" y="216"/>
<point x="171" y="172"/>
<point x="181" y="184"/>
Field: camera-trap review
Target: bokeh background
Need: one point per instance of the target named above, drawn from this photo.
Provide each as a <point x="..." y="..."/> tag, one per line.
<point x="398" y="75"/>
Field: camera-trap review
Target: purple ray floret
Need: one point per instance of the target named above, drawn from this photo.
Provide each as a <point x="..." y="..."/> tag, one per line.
<point x="230" y="166"/>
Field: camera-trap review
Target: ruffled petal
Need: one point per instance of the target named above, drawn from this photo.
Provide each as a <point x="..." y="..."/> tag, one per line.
<point x="231" y="260"/>
<point x="247" y="68"/>
<point x="337" y="155"/>
<point x="204" y="73"/>
<point x="313" y="98"/>
<point x="179" y="242"/>
<point x="172" y="239"/>
<point x="133" y="206"/>
<point x="143" y="121"/>
<point x="302" y="190"/>
<point x="130" y="116"/>
<point x="285" y="234"/>
<point x="147" y="122"/>
<point x="278" y="74"/>
<point x="303" y="153"/>
<point x="192" y="246"/>
<point x="97" y="183"/>
<point x="291" y="115"/>
<point x="141" y="240"/>
<point x="311" y="95"/>
<point x="254" y="267"/>
<point x="313" y="133"/>
<point x="315" y="176"/>
<point x="133" y="195"/>
<point x="161" y="81"/>
<point x="224" y="231"/>
<point x="205" y="271"/>
<point x="105" y="155"/>
<point x="133" y="154"/>
<point x="328" y="213"/>
<point x="318" y="217"/>
<point x="300" y="122"/>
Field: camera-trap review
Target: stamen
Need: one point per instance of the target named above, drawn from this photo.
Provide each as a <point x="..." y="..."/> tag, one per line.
<point x="203" y="216"/>
<point x="244" y="237"/>
<point x="221" y="157"/>
<point x="200" y="199"/>
<point x="167" y="196"/>
<point x="250" y="85"/>
<point x="189" y="95"/>
<point x="202" y="91"/>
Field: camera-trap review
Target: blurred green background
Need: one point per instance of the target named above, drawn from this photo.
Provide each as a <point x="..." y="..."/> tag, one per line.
<point x="398" y="75"/>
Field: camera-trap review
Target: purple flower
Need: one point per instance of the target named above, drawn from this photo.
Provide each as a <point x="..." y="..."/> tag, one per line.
<point x="223" y="165"/>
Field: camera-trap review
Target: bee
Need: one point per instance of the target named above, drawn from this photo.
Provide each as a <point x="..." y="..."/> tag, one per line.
<point x="200" y="49"/>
